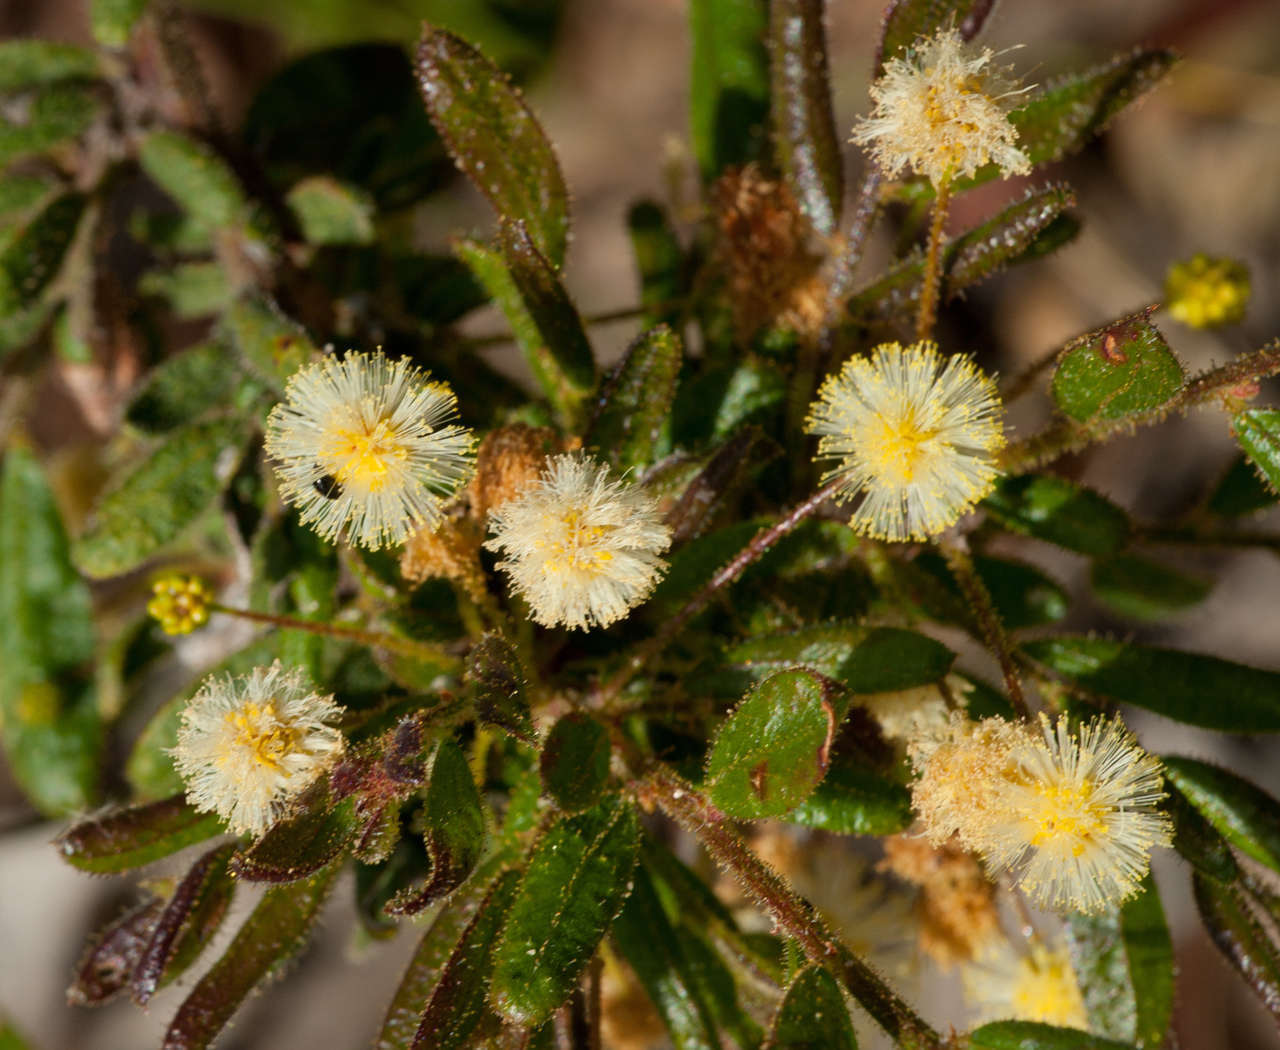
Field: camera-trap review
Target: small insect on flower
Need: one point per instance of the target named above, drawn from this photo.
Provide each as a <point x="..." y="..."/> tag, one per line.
<point x="942" y="111"/>
<point x="915" y="432"/>
<point x="248" y="747"/>
<point x="581" y="548"/>
<point x="365" y="449"/>
<point x="1036" y="985"/>
<point x="1080" y="817"/>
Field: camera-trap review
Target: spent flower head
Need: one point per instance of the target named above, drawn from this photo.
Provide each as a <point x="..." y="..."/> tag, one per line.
<point x="1207" y="292"/>
<point x="1079" y="818"/>
<point x="179" y="603"/>
<point x="364" y="447"/>
<point x="248" y="746"/>
<point x="913" y="431"/>
<point x="942" y="111"/>
<point x="581" y="547"/>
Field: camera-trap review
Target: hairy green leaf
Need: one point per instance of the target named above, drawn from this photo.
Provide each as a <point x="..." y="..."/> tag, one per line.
<point x="905" y="21"/>
<point x="1247" y="816"/>
<point x="729" y="86"/>
<point x="161" y="497"/>
<point x="187" y="385"/>
<point x="55" y="115"/>
<point x="854" y="800"/>
<point x="273" y="346"/>
<point x="33" y="253"/>
<point x="724" y="472"/>
<point x="1119" y="370"/>
<point x="1189" y="687"/>
<point x="1145" y="589"/>
<point x="1023" y="596"/>
<point x="495" y="139"/>
<point x="774" y="748"/>
<point x="636" y="400"/>
<point x="31" y="63"/>
<point x="812" y="1014"/>
<point x="1196" y="840"/>
<point x="195" y="176"/>
<point x="276" y="930"/>
<point x="1258" y="432"/>
<point x="332" y="212"/>
<point x="496" y="680"/>
<point x="1059" y="511"/>
<point x="1241" y="491"/>
<point x="1247" y="945"/>
<point x="302" y="843"/>
<point x="577" y="880"/>
<point x="804" y="130"/>
<point x="112" y="21"/>
<point x="193" y="290"/>
<point x="104" y="970"/>
<point x="124" y="839"/>
<point x="660" y="261"/>
<point x="575" y="762"/>
<point x="51" y="727"/>
<point x="1032" y="1035"/>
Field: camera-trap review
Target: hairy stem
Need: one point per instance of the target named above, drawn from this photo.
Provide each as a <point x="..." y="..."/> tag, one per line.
<point x="840" y="283"/>
<point x="725" y="575"/>
<point x="1067" y="436"/>
<point x="933" y="264"/>
<point x="975" y="592"/>
<point x="793" y="915"/>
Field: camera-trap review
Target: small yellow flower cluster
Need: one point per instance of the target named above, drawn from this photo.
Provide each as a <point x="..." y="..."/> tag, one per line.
<point x="1207" y="292"/>
<point x="1071" y="814"/>
<point x="915" y="432"/>
<point x="180" y="603"/>
<point x="942" y="112"/>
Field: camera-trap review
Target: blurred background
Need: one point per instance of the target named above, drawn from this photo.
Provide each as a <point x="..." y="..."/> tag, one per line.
<point x="1195" y="167"/>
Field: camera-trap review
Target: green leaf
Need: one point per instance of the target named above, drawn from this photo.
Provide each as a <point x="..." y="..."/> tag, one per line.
<point x="543" y="320"/>
<point x="276" y="930"/>
<point x="332" y="212"/>
<point x="649" y="942"/>
<point x="804" y="129"/>
<point x="56" y="114"/>
<point x="1122" y="369"/>
<point x="735" y="462"/>
<point x="19" y="194"/>
<point x="273" y="346"/>
<point x="495" y="139"/>
<point x="773" y="749"/>
<point x="575" y="762"/>
<point x="1241" y="491"/>
<point x="1199" y="690"/>
<point x="906" y="21"/>
<point x="729" y="86"/>
<point x="577" y="880"/>
<point x="636" y="400"/>
<point x="854" y="800"/>
<point x="442" y="993"/>
<point x="161" y="497"/>
<point x="1196" y="840"/>
<point x="864" y="659"/>
<point x="1246" y="815"/>
<point x="718" y="401"/>
<point x="1059" y="511"/>
<point x="32" y="63"/>
<point x="496" y="680"/>
<point x="1124" y="965"/>
<point x="32" y="254"/>
<point x="302" y="843"/>
<point x="1023" y="596"/>
<point x="193" y="289"/>
<point x="51" y="727"/>
<point x="812" y="1014"/>
<point x="1247" y="945"/>
<point x="104" y="970"/>
<point x="453" y="820"/>
<point x="1032" y="1035"/>
<point x="112" y="21"/>
<point x="132" y="838"/>
<point x="187" y="385"/>
<point x="190" y="919"/>
<point x="1144" y="589"/>
<point x="195" y="176"/>
<point x="1012" y="236"/>
<point x="1258" y="432"/>
<point x="660" y="261"/>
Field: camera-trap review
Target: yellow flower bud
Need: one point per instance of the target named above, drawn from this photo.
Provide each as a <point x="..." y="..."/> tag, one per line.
<point x="1206" y="292"/>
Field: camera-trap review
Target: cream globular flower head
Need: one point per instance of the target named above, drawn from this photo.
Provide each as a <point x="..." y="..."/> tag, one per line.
<point x="1038" y="984"/>
<point x="248" y="747"/>
<point x="913" y="431"/>
<point x="581" y="547"/>
<point x="365" y="448"/>
<point x="942" y="111"/>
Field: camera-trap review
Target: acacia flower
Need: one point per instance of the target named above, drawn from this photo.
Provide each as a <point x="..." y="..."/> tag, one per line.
<point x="248" y="747"/>
<point x="365" y="448"/>
<point x="179" y="603"/>
<point x="915" y="432"/>
<point x="1207" y="292"/>
<point x="580" y="547"/>
<point x="942" y="111"/>
<point x="1036" y="985"/>
<point x="1080" y="816"/>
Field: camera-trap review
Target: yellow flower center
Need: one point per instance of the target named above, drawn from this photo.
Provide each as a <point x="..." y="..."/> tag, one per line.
<point x="1046" y="991"/>
<point x="894" y="448"/>
<point x="578" y="545"/>
<point x="1070" y="813"/>
<point x="260" y="733"/>
<point x="363" y="456"/>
